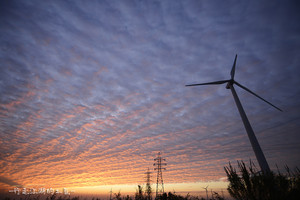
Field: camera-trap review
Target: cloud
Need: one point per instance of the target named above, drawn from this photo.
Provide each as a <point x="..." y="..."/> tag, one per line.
<point x="9" y="182"/>
<point x="90" y="92"/>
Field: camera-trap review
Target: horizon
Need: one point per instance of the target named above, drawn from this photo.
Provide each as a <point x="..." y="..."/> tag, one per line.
<point x="103" y="192"/>
<point x="92" y="91"/>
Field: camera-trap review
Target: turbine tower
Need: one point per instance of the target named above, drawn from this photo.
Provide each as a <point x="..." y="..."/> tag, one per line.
<point x="255" y="145"/>
<point x="159" y="162"/>
<point x="205" y="188"/>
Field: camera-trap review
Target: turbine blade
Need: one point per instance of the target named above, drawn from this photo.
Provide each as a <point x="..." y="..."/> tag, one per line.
<point x="257" y="95"/>
<point x="210" y="83"/>
<point x="233" y="68"/>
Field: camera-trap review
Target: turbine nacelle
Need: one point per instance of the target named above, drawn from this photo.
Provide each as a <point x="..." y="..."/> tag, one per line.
<point x="230" y="83"/>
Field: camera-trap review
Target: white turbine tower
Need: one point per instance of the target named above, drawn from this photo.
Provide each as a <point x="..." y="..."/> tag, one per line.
<point x="205" y="188"/>
<point x="255" y="145"/>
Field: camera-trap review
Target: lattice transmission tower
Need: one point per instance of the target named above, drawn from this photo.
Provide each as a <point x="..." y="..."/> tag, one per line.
<point x="159" y="162"/>
<point x="148" y="190"/>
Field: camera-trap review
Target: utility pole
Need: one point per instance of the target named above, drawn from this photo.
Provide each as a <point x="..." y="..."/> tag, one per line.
<point x="159" y="162"/>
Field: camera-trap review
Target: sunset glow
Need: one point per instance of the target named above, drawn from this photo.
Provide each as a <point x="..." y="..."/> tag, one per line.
<point x="91" y="91"/>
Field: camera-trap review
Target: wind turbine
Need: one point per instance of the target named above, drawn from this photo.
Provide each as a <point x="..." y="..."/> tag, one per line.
<point x="206" y="192"/>
<point x="255" y="145"/>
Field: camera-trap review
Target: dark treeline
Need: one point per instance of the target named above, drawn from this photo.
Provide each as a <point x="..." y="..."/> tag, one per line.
<point x="147" y="195"/>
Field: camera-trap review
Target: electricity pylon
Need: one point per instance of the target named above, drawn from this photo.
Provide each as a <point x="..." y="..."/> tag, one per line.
<point x="148" y="185"/>
<point x="159" y="162"/>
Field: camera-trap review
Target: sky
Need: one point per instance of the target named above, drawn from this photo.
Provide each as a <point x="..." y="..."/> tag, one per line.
<point x="91" y="91"/>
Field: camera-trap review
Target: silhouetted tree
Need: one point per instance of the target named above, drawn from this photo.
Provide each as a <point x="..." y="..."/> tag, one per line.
<point x="118" y="196"/>
<point x="139" y="193"/>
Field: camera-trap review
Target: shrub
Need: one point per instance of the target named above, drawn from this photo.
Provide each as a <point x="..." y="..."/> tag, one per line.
<point x="248" y="183"/>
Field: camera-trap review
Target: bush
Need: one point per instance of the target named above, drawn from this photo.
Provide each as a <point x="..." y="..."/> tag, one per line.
<point x="251" y="184"/>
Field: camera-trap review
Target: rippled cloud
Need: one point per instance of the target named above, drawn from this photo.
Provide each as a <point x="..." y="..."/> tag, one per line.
<point x="92" y="91"/>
